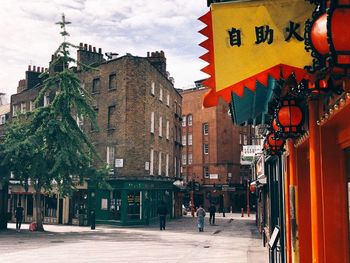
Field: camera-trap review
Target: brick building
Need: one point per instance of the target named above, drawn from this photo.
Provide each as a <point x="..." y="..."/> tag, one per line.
<point x="211" y="152"/>
<point x="138" y="134"/>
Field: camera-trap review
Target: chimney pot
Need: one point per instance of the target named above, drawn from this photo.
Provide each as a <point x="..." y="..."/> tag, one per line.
<point x="34" y="68"/>
<point x="29" y="67"/>
<point x="85" y="47"/>
<point x="81" y="45"/>
<point x="94" y="49"/>
<point x="89" y="47"/>
<point x="42" y="69"/>
<point x="100" y="50"/>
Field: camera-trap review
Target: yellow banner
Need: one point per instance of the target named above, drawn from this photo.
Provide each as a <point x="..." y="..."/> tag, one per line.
<point x="250" y="37"/>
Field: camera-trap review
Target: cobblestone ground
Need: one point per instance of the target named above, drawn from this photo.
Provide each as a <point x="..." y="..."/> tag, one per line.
<point x="232" y="239"/>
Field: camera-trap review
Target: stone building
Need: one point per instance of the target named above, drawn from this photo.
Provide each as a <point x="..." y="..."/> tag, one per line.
<point x="138" y="135"/>
<point x="211" y="153"/>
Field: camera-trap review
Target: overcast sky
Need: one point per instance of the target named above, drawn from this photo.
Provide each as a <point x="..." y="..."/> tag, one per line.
<point x="29" y="35"/>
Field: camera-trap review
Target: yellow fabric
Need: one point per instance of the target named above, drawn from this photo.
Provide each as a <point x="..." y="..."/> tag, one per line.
<point x="234" y="64"/>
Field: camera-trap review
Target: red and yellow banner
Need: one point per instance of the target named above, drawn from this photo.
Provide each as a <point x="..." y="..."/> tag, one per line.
<point x="250" y="40"/>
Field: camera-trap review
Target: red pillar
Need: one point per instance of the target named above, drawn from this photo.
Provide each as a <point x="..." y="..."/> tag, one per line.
<point x="317" y="230"/>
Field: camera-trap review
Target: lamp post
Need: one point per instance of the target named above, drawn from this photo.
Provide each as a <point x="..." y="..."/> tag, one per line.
<point x="248" y="206"/>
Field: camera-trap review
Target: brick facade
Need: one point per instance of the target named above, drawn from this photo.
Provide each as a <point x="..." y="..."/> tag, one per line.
<point x="215" y="168"/>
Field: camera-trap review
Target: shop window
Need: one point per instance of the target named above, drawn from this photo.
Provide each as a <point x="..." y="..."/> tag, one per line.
<point x="115" y="205"/>
<point x="133" y="205"/>
<point x="50" y="209"/>
<point x="29" y="205"/>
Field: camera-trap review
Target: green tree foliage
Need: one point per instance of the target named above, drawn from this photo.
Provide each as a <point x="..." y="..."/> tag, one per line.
<point x="46" y="146"/>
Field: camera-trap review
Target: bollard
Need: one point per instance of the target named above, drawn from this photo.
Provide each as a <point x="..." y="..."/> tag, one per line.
<point x="242" y="211"/>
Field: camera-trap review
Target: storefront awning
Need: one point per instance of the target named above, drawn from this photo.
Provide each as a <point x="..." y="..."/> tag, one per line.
<point x="252" y="106"/>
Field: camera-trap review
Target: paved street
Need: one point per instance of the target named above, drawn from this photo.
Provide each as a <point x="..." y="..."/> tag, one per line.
<point x="233" y="239"/>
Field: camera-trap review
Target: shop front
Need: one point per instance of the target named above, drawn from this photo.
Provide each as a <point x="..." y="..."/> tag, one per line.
<point x="131" y="202"/>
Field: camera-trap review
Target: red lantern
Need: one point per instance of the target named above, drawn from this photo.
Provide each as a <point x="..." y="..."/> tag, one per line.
<point x="330" y="35"/>
<point x="274" y="142"/>
<point x="275" y="125"/>
<point x="252" y="187"/>
<point x="290" y="116"/>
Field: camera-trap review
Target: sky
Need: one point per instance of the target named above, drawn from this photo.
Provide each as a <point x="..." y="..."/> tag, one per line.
<point x="29" y="34"/>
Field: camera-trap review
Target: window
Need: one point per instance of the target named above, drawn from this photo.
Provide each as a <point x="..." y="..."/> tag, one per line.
<point x="94" y="126"/>
<point x="2" y="119"/>
<point x="167" y="165"/>
<point x="160" y="126"/>
<point x="112" y="84"/>
<point x="111" y="110"/>
<point x="46" y="100"/>
<point x="152" y="122"/>
<point x="160" y="163"/>
<point x="189" y="120"/>
<point x="189" y="158"/>
<point x="190" y="139"/>
<point x="15" y="109"/>
<point x="96" y="85"/>
<point x="205" y="128"/>
<point x="175" y="166"/>
<point x="160" y="93"/>
<point x="151" y="163"/>
<point x="110" y="157"/>
<point x="245" y="139"/>
<point x="184" y="140"/>
<point x="184" y="121"/>
<point x="152" y="87"/>
<point x="206" y="148"/>
<point x="168" y="99"/>
<point x="80" y="121"/>
<point x="184" y="159"/>
<point x="23" y="107"/>
<point x="167" y="129"/>
<point x="31" y="105"/>
<point x="206" y="172"/>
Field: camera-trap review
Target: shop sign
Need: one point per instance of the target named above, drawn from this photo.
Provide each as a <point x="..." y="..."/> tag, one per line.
<point x="248" y="153"/>
<point x="119" y="163"/>
<point x="259" y="167"/>
<point x="213" y="176"/>
<point x="250" y="40"/>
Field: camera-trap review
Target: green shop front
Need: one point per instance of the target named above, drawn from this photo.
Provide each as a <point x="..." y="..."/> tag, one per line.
<point x="131" y="202"/>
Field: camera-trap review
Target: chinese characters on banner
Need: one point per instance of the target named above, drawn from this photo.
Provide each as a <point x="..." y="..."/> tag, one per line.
<point x="265" y="34"/>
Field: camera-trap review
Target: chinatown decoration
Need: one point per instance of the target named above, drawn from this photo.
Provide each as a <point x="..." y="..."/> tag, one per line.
<point x="273" y="145"/>
<point x="327" y="36"/>
<point x="252" y="187"/>
<point x="269" y="43"/>
<point x="290" y="118"/>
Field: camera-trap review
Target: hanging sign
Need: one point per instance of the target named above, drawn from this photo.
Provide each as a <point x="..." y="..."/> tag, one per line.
<point x="249" y="40"/>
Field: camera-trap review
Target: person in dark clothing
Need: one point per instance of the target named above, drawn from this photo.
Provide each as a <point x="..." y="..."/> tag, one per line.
<point x="93" y="219"/>
<point x="19" y="216"/>
<point x="212" y="210"/>
<point x="162" y="212"/>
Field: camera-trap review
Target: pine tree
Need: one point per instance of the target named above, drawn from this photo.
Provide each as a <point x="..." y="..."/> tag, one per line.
<point x="46" y="147"/>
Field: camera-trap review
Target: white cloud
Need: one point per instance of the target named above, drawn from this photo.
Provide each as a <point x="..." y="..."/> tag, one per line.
<point x="29" y="34"/>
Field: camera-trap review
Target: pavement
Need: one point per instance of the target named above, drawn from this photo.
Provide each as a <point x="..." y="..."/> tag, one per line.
<point x="232" y="239"/>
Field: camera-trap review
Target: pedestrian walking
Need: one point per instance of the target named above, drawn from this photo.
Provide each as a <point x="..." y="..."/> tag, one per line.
<point x="162" y="212"/>
<point x="93" y="219"/>
<point x="212" y="211"/>
<point x="200" y="218"/>
<point x="19" y="216"/>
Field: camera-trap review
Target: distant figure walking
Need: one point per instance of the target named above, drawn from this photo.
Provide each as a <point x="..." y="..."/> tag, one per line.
<point x="212" y="211"/>
<point x="162" y="212"/>
<point x="93" y="219"/>
<point x="200" y="218"/>
<point x="19" y="217"/>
